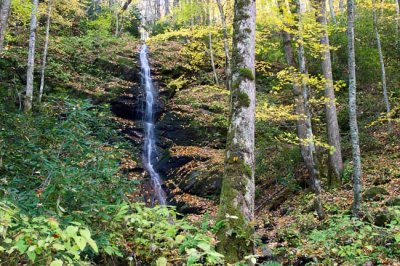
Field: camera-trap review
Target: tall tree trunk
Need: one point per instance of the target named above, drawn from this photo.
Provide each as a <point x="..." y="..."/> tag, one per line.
<point x="226" y="46"/>
<point x="237" y="194"/>
<point x="46" y="47"/>
<point x="166" y="7"/>
<point x="210" y="43"/>
<point x="158" y="9"/>
<point x="212" y="59"/>
<point x="332" y="11"/>
<point x="31" y="58"/>
<point x="382" y="64"/>
<point x="335" y="157"/>
<point x="357" y="186"/>
<point x="341" y="6"/>
<point x="303" y="124"/>
<point x="397" y="22"/>
<point x="4" y="14"/>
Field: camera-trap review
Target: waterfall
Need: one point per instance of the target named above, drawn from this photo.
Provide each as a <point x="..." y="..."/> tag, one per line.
<point x="149" y="151"/>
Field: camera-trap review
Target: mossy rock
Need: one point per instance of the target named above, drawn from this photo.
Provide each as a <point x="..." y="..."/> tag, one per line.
<point x="381" y="180"/>
<point x="382" y="218"/>
<point x="375" y="194"/>
<point x="393" y="202"/>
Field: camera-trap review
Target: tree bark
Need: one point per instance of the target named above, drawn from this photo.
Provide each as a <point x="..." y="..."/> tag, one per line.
<point x="332" y="11"/>
<point x="341" y="6"/>
<point x="397" y="5"/>
<point x="4" y="14"/>
<point x="357" y="183"/>
<point x="335" y="157"/>
<point x="382" y="64"/>
<point x="45" y="50"/>
<point x="226" y="46"/>
<point x="212" y="59"/>
<point x="31" y="58"/>
<point x="158" y="9"/>
<point x="166" y="7"/>
<point x="302" y="107"/>
<point x="237" y="194"/>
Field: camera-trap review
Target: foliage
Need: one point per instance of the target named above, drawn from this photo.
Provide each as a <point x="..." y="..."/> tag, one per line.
<point x="40" y="239"/>
<point x="156" y="233"/>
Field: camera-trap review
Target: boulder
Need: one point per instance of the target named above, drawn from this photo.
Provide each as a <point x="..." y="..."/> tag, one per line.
<point x="375" y="194"/>
<point x="381" y="218"/>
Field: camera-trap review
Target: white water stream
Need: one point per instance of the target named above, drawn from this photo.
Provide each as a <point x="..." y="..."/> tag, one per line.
<point x="149" y="151"/>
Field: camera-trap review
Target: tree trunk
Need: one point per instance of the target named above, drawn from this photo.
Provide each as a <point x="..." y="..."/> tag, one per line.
<point x="46" y="47"/>
<point x="212" y="59"/>
<point x="397" y="22"/>
<point x="357" y="186"/>
<point x="382" y="64"/>
<point x="158" y="9"/>
<point x="237" y="194"/>
<point x="31" y="58"/>
<point x="4" y="14"/>
<point x="332" y="11"/>
<point x="304" y="125"/>
<point x="341" y="6"/>
<point x="166" y="7"/>
<point x="226" y="46"/>
<point x="335" y="157"/>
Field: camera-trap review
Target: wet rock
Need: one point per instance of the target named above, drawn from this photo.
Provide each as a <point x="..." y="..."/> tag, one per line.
<point x="185" y="131"/>
<point x="127" y="107"/>
<point x="375" y="194"/>
<point x="202" y="184"/>
<point x="131" y="106"/>
<point x="393" y="202"/>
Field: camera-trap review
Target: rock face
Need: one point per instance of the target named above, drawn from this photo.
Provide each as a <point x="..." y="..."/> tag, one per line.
<point x="195" y="170"/>
<point x="191" y="129"/>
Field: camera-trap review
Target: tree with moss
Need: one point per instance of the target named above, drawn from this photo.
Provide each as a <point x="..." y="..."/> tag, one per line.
<point x="237" y="195"/>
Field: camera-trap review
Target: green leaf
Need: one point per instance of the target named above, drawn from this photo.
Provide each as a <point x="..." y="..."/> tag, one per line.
<point x="161" y="261"/>
<point x="85" y="233"/>
<point x="204" y="246"/>
<point x="71" y="230"/>
<point x="56" y="263"/>
<point x="179" y="239"/>
<point x="93" y="245"/>
<point x="20" y="246"/>
<point x="81" y="242"/>
<point x="58" y="246"/>
<point x="31" y="255"/>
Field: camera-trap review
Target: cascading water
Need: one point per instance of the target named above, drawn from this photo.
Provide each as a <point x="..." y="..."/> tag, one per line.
<point x="149" y="151"/>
